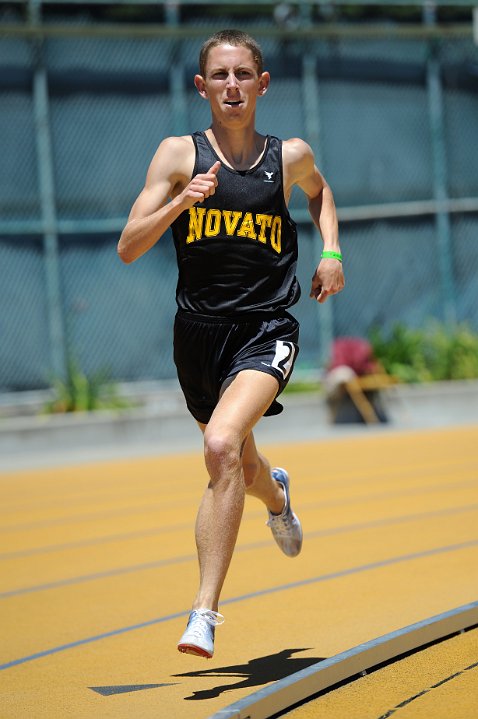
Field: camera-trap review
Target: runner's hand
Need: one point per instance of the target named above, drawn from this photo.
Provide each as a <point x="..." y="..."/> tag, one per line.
<point x="201" y="186"/>
<point x="328" y="279"/>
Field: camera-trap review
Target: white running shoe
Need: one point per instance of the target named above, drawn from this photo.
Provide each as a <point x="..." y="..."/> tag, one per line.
<point x="286" y="528"/>
<point x="198" y="638"/>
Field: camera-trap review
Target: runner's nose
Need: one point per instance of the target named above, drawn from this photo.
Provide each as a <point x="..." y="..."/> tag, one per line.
<point x="232" y="80"/>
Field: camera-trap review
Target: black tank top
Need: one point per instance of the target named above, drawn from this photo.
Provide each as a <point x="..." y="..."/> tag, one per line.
<point x="237" y="250"/>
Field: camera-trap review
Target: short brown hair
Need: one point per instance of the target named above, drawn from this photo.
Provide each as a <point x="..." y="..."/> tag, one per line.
<point x="230" y="37"/>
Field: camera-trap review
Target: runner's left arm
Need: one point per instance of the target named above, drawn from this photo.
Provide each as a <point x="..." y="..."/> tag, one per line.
<point x="300" y="169"/>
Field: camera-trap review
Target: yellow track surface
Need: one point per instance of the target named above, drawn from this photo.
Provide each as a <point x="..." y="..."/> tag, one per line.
<point x="440" y="682"/>
<point x="98" y="570"/>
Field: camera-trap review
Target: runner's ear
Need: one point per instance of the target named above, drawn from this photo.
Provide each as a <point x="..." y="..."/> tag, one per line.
<point x="200" y="86"/>
<point x="264" y="82"/>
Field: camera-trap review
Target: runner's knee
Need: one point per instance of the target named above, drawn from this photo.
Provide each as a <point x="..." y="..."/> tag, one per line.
<point x="222" y="451"/>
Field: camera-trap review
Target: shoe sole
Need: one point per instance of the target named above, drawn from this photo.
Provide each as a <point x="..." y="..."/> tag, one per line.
<point x="193" y="649"/>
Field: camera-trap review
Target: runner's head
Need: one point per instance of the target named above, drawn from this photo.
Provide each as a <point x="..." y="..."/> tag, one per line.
<point x="235" y="38"/>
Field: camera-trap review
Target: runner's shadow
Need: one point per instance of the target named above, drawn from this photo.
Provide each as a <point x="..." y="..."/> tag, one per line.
<point x="256" y="672"/>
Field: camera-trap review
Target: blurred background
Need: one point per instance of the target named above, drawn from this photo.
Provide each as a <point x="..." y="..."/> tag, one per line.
<point x="385" y="92"/>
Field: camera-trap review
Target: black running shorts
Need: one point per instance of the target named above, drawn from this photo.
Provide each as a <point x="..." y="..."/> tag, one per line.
<point x="210" y="350"/>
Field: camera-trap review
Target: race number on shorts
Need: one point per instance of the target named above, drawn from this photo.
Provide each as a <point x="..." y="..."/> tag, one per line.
<point x="284" y="357"/>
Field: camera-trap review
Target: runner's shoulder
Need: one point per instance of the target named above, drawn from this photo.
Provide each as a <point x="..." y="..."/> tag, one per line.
<point x="296" y="150"/>
<point x="175" y="157"/>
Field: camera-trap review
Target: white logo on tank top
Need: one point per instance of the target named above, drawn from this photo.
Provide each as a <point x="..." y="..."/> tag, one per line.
<point x="269" y="176"/>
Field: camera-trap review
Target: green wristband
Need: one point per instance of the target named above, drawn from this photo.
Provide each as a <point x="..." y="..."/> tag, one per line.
<point x="329" y="255"/>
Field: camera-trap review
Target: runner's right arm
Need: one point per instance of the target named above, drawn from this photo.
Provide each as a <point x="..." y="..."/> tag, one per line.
<point x="167" y="178"/>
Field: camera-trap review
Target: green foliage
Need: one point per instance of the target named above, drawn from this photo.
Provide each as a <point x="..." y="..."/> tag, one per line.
<point x="79" y="392"/>
<point x="437" y="352"/>
<point x="302" y="386"/>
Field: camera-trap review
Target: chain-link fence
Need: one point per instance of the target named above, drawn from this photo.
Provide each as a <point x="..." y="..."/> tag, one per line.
<point x="392" y="119"/>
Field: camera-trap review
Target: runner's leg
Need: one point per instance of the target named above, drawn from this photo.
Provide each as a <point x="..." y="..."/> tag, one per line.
<point x="258" y="479"/>
<point x="242" y="404"/>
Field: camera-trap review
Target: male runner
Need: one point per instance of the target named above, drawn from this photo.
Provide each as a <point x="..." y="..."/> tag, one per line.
<point x="224" y="193"/>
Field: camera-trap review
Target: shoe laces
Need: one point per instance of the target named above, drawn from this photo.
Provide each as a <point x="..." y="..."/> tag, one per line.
<point x="208" y="617"/>
<point x="282" y="523"/>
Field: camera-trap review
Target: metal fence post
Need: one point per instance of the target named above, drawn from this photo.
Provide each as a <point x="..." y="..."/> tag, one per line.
<point x="324" y="312"/>
<point x="47" y="200"/>
<point x="440" y="191"/>
<point x="176" y="74"/>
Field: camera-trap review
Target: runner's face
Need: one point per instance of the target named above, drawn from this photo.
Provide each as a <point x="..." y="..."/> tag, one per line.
<point x="232" y="83"/>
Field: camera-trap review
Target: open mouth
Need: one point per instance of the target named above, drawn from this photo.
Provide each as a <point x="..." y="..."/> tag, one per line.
<point x="233" y="103"/>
